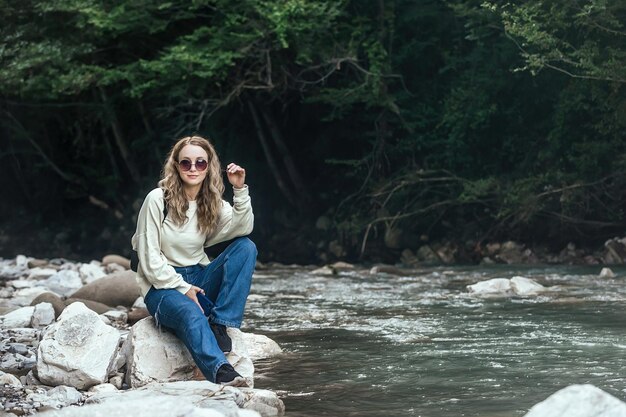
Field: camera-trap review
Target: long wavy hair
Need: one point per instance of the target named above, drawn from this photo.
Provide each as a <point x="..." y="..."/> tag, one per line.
<point x="209" y="198"/>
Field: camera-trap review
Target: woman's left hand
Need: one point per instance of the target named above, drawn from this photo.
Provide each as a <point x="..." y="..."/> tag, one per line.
<point x="236" y="175"/>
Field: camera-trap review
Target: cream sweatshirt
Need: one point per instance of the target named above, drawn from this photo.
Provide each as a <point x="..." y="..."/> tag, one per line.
<point x="162" y="245"/>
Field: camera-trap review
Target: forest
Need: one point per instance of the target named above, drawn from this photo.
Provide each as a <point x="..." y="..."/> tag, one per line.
<point x="365" y="127"/>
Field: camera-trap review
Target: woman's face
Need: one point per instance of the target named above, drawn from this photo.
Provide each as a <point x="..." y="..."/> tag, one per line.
<point x="197" y="157"/>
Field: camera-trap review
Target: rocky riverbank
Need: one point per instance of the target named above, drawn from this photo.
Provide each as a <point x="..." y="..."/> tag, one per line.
<point x="79" y="334"/>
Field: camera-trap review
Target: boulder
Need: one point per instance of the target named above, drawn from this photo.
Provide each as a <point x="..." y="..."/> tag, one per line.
<point x="9" y="379"/>
<point x="64" y="282"/>
<point x="524" y="286"/>
<point x="78" y="350"/>
<point x="91" y="272"/>
<point x="120" y="289"/>
<point x="17" y="318"/>
<point x="495" y="286"/>
<point x="607" y="273"/>
<point x="227" y="401"/>
<point x="615" y="251"/>
<point x="579" y="401"/>
<point x="57" y="397"/>
<point x="116" y="259"/>
<point x="155" y="355"/>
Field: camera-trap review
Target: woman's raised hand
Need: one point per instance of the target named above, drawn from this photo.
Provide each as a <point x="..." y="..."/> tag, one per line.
<point x="236" y="175"/>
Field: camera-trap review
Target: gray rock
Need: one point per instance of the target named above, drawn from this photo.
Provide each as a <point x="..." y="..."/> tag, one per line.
<point x="108" y="387"/>
<point x="116" y="259"/>
<point x="78" y="350"/>
<point x="38" y="273"/>
<point x="116" y="316"/>
<point x="579" y="401"/>
<point x="16" y="364"/>
<point x="254" y="346"/>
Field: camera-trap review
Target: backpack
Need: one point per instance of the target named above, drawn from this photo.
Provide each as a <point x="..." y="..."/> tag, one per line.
<point x="134" y="257"/>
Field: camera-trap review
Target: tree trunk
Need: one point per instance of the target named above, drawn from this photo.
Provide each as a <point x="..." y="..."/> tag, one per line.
<point x="269" y="156"/>
<point x="294" y="174"/>
<point x="116" y="128"/>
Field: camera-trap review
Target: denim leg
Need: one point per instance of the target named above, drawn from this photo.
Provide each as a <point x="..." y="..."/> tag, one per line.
<point x="174" y="310"/>
<point x="226" y="281"/>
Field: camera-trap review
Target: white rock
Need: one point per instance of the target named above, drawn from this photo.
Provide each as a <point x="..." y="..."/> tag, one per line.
<point x="183" y="402"/>
<point x="607" y="273"/>
<point x="17" y="318"/>
<point x="22" y="261"/>
<point x="524" y="286"/>
<point x="60" y="396"/>
<point x="155" y="355"/>
<point x="491" y="287"/>
<point x="139" y="303"/>
<point x="204" y="394"/>
<point x="257" y="346"/>
<point x="41" y="273"/>
<point x="579" y="401"/>
<point x="116" y="316"/>
<point x="18" y="284"/>
<point x="64" y="282"/>
<point x="91" y="272"/>
<point x="25" y="296"/>
<point x="325" y="271"/>
<point x="42" y="316"/>
<point x="105" y="319"/>
<point x="107" y="387"/>
<point x="78" y="350"/>
<point x="8" y="379"/>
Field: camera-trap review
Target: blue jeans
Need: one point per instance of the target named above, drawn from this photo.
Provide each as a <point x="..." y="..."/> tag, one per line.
<point x="226" y="282"/>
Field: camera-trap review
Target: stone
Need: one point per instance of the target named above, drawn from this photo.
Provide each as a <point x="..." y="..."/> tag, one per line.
<point x="39" y="273"/>
<point x="37" y="263"/>
<point x="135" y="314"/>
<point x="342" y="266"/>
<point x="426" y="254"/>
<point x="408" y="258"/>
<point x="256" y="346"/>
<point x="607" y="273"/>
<point x="9" y="379"/>
<point x="16" y="364"/>
<point x="31" y="379"/>
<point x="49" y="297"/>
<point x="325" y="271"/>
<point x="18" y="284"/>
<point x="119" y="289"/>
<point x="43" y="316"/>
<point x="116" y="316"/>
<point x="202" y="394"/>
<point x="615" y="251"/>
<point x="495" y="286"/>
<point x="64" y="282"/>
<point x="386" y="269"/>
<point x="91" y="272"/>
<point x="78" y="350"/>
<point x="60" y="396"/>
<point x="25" y="296"/>
<point x="117" y="381"/>
<point x="154" y="355"/>
<point x="493" y="248"/>
<point x="139" y="303"/>
<point x="91" y="305"/>
<point x="579" y="401"/>
<point x="107" y="387"/>
<point x="17" y="318"/>
<point x="116" y="259"/>
<point x="524" y="286"/>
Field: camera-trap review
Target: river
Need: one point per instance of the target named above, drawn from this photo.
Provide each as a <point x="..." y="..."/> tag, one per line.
<point x="361" y="344"/>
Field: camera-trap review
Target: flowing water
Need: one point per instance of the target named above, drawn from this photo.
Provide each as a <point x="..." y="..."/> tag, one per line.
<point x="361" y="344"/>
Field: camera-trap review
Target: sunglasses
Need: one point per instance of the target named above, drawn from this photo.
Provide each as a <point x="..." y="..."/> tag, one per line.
<point x="185" y="165"/>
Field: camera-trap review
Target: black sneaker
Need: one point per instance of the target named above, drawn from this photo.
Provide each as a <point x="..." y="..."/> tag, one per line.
<point x="227" y="375"/>
<point x="222" y="337"/>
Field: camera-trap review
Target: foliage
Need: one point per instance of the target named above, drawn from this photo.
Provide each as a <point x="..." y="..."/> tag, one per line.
<point x="434" y="118"/>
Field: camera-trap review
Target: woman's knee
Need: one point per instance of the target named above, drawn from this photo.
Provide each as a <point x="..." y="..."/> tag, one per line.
<point x="246" y="245"/>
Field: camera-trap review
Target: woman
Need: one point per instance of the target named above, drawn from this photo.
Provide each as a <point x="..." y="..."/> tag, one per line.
<point x="183" y="291"/>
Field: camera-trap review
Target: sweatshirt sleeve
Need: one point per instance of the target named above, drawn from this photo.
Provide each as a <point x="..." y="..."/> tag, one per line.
<point x="236" y="220"/>
<point x="153" y="265"/>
